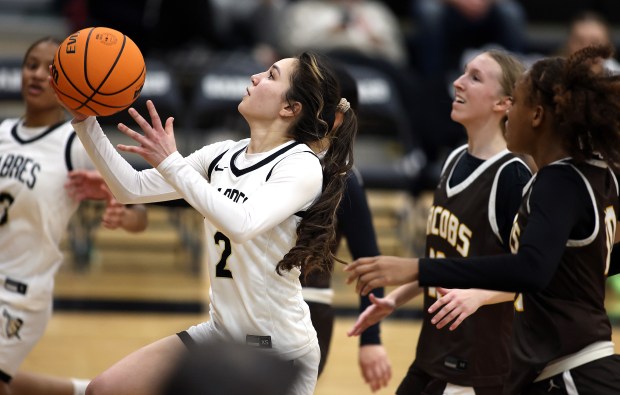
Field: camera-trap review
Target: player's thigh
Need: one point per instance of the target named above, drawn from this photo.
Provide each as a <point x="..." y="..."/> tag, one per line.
<point x="322" y="316"/>
<point x="141" y="372"/>
<point x="20" y="331"/>
<point x="307" y="374"/>
<point x="600" y="377"/>
<point x="415" y="382"/>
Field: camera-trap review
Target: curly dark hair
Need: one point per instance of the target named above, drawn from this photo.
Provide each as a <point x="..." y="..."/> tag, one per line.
<point x="584" y="99"/>
<point x="315" y="86"/>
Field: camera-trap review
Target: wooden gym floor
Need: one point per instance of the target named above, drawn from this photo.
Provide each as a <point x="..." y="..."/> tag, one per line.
<point x="84" y="344"/>
<point x="139" y="288"/>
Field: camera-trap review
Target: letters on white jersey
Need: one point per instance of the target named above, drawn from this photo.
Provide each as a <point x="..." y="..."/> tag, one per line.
<point x="250" y="302"/>
<point x="34" y="207"/>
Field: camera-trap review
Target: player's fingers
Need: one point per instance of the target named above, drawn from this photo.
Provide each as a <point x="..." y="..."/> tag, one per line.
<point x="350" y="278"/>
<point x="359" y="267"/>
<point x="169" y="126"/>
<point x="360" y="262"/>
<point x="76" y="177"/>
<point x="439" y="303"/>
<point x="354" y="331"/>
<point x="155" y="119"/>
<point x="371" y="283"/>
<point x="375" y="384"/>
<point x="440" y="315"/>
<point x="370" y="376"/>
<point x="381" y="373"/>
<point x="387" y="374"/>
<point x="384" y="373"/>
<point x="127" y="131"/>
<point x="442" y="323"/>
<point x="359" y="327"/>
<point x="373" y="299"/>
<point x="447" y="319"/>
<point x="362" y="283"/>
<point x="458" y="322"/>
<point x="130" y="148"/>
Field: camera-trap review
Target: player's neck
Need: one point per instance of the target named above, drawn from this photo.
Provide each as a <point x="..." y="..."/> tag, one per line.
<point x="485" y="145"/>
<point x="43" y="118"/>
<point x="267" y="135"/>
<point x="257" y="146"/>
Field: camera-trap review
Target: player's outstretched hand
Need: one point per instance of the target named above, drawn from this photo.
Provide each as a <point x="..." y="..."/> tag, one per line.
<point x="375" y="366"/>
<point x="114" y="215"/>
<point x="378" y="310"/>
<point x="379" y="271"/>
<point x="87" y="184"/>
<point x="157" y="142"/>
<point x="454" y="306"/>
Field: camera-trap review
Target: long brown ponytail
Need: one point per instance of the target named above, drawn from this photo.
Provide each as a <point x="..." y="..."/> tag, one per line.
<point x="314" y="85"/>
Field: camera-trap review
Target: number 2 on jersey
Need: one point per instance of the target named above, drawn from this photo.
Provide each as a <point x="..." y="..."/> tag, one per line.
<point x="221" y="267"/>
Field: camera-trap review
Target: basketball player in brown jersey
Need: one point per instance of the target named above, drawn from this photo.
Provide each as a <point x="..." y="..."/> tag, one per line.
<point x="474" y="204"/>
<point x="566" y="115"/>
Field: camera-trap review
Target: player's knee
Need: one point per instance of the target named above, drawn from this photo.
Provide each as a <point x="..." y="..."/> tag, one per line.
<point x="97" y="386"/>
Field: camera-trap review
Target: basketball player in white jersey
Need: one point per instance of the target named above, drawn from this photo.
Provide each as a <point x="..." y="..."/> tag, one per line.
<point x="269" y="207"/>
<point x="37" y="151"/>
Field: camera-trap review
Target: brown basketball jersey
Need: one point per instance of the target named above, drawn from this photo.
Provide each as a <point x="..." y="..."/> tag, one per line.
<point x="462" y="223"/>
<point x="569" y="313"/>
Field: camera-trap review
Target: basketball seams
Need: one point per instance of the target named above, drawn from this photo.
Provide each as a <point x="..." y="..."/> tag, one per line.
<point x="126" y="87"/>
<point x="62" y="69"/>
<point x="110" y="70"/>
<point x="76" y="92"/>
<point x="84" y="60"/>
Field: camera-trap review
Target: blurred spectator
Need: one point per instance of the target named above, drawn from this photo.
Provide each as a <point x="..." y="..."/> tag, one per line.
<point x="363" y="33"/>
<point x="248" y="24"/>
<point x="446" y="27"/>
<point x="365" y="26"/>
<point x="444" y="30"/>
<point x="156" y="26"/>
<point x="589" y="28"/>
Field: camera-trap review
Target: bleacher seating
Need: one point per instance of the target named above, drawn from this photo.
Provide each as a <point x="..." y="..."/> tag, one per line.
<point x="10" y="87"/>
<point x="217" y="92"/>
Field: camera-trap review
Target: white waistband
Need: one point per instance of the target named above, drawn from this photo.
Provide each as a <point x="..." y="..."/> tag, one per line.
<point x="587" y="354"/>
<point x="318" y="295"/>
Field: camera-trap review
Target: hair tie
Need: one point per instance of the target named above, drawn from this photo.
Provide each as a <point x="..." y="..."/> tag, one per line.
<point x="343" y="106"/>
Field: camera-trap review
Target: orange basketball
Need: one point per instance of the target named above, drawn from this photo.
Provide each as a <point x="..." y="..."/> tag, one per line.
<point x="98" y="71"/>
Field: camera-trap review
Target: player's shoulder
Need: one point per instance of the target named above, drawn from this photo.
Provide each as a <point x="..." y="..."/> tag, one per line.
<point x="302" y="155"/>
<point x="7" y="124"/>
<point x="452" y="156"/>
<point x="513" y="165"/>
<point x="9" y="121"/>
<point x="221" y="147"/>
<point x="232" y="144"/>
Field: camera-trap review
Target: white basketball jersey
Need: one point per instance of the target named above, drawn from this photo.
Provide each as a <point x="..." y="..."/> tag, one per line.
<point x="250" y="302"/>
<point x="34" y="207"/>
<point x="252" y="204"/>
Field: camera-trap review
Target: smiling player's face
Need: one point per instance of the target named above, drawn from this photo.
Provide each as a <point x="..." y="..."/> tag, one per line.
<point x="36" y="90"/>
<point x="477" y="90"/>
